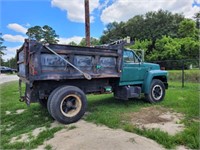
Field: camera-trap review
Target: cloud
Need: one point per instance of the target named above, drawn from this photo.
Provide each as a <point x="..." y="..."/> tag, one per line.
<point x="16" y="27"/>
<point x="27" y="25"/>
<point x="10" y="52"/>
<point x="103" y="5"/>
<point x="75" y="9"/>
<point x="122" y="10"/>
<point x="76" y="39"/>
<point x="13" y="38"/>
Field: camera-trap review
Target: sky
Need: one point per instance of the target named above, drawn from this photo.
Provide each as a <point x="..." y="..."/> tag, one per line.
<point x="66" y="17"/>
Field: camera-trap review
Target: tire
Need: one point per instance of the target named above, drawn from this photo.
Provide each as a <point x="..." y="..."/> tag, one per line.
<point x="51" y="95"/>
<point x="43" y="102"/>
<point x="157" y="91"/>
<point x="67" y="104"/>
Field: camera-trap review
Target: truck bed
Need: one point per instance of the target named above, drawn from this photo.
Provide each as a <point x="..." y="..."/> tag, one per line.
<point x="36" y="62"/>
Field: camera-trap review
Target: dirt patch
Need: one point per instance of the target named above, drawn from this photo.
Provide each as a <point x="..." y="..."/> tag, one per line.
<point x="20" y="138"/>
<point x="88" y="136"/>
<point x="26" y="137"/>
<point x="37" y="131"/>
<point x="9" y="126"/>
<point x="19" y="111"/>
<point x="156" y="117"/>
<point x="8" y="112"/>
<point x="181" y="147"/>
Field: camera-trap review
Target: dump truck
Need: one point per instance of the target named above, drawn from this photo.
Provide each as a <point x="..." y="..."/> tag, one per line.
<point x="59" y="76"/>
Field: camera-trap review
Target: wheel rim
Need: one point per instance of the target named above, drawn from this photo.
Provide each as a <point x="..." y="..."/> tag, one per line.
<point x="157" y="92"/>
<point x="70" y="105"/>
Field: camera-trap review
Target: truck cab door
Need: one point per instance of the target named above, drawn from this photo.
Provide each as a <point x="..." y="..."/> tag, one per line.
<point x="133" y="70"/>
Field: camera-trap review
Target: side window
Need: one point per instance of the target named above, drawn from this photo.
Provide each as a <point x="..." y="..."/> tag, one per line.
<point x="129" y="57"/>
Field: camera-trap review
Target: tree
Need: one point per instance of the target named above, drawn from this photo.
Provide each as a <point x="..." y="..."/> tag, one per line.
<point x="2" y="47"/>
<point x="114" y="31"/>
<point x="93" y="42"/>
<point x="12" y="62"/>
<point x="141" y="44"/>
<point x="197" y="18"/>
<point x="44" y="34"/>
<point x="151" y="26"/>
<point x="190" y="48"/>
<point x="167" y="48"/>
<point x="72" y="43"/>
<point x="135" y="27"/>
<point x="187" y="28"/>
<point x="154" y="25"/>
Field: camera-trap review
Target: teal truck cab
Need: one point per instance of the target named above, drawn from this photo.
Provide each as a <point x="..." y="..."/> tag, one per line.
<point x="142" y="77"/>
<point x="59" y="76"/>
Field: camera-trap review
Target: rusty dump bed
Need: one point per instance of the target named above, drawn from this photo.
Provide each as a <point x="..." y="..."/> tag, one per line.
<point x="36" y="62"/>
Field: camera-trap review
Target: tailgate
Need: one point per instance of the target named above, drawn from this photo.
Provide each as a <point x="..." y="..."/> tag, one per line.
<point x="22" y="62"/>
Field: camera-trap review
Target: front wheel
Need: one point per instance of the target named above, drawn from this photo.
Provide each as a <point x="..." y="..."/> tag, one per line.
<point x="68" y="104"/>
<point x="157" y="91"/>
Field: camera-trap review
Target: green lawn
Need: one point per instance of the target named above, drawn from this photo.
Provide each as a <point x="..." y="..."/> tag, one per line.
<point x="13" y="125"/>
<point x="104" y="109"/>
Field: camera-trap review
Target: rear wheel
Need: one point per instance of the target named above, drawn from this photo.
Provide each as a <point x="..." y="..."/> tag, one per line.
<point x="67" y="104"/>
<point x="50" y="97"/>
<point x="157" y="91"/>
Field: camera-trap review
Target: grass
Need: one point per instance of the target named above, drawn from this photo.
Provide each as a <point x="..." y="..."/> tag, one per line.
<point x="14" y="125"/>
<point x="104" y="110"/>
<point x="189" y="75"/>
<point x="48" y="147"/>
<point x="72" y="127"/>
<point x="108" y="111"/>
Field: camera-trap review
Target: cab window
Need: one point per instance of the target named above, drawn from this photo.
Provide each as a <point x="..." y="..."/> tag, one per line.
<point x="129" y="57"/>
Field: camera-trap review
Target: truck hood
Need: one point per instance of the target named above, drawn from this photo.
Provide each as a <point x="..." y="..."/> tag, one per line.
<point x="151" y="66"/>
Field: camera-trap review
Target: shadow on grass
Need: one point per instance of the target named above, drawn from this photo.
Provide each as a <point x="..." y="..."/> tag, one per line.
<point x="108" y="101"/>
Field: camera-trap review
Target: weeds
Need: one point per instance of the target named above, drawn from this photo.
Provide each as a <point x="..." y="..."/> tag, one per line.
<point x="72" y="127"/>
<point x="48" y="147"/>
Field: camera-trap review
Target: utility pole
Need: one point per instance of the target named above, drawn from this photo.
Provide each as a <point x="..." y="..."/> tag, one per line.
<point x="87" y="23"/>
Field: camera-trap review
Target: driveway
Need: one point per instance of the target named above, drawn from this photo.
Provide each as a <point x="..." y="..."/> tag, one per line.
<point x="7" y="78"/>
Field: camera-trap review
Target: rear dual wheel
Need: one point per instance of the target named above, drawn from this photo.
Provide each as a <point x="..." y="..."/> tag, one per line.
<point x="67" y="104"/>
